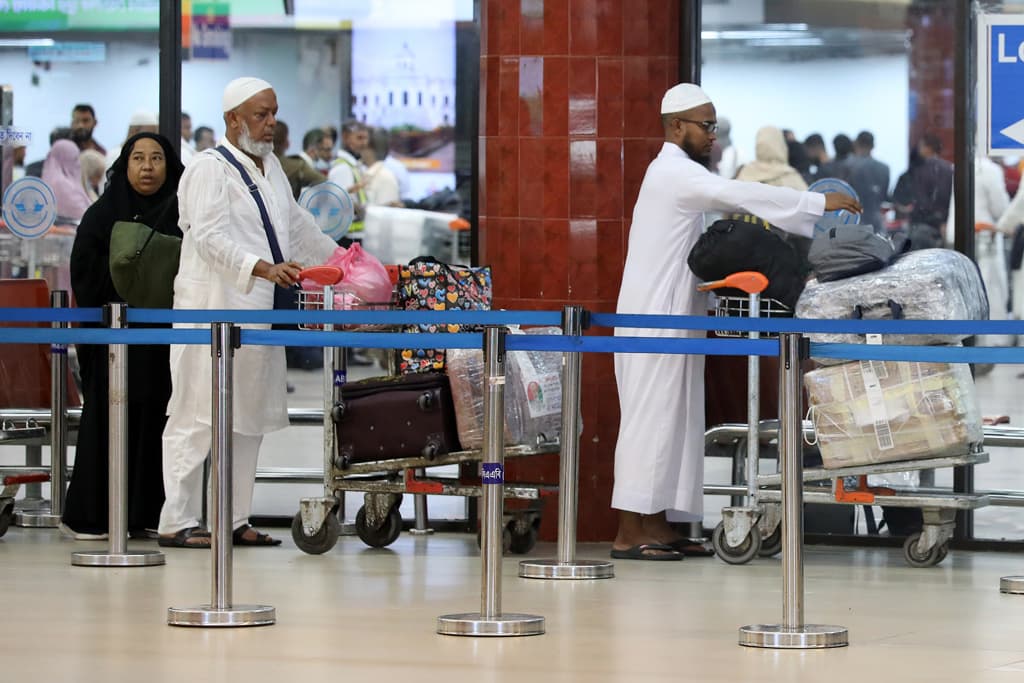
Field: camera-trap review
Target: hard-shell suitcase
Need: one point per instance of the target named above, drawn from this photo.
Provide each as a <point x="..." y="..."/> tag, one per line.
<point x="387" y="418"/>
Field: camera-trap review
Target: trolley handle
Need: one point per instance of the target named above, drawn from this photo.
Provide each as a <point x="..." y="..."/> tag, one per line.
<point x="749" y="281"/>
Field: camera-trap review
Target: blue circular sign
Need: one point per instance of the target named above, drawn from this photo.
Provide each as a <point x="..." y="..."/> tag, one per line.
<point x="331" y="207"/>
<point x="29" y="208"/>
<point x="840" y="217"/>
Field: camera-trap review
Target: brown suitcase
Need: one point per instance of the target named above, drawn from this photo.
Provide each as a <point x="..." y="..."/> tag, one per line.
<point x="386" y="418"/>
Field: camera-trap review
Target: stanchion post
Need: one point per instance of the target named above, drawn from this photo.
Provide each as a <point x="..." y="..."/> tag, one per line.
<point x="566" y="566"/>
<point x="117" y="554"/>
<point x="490" y="621"/>
<point x="221" y="611"/>
<point x="792" y="633"/>
<point x="49" y="515"/>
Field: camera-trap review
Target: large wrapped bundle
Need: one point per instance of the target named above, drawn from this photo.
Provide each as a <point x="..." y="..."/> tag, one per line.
<point x="873" y="411"/>
<point x="931" y="284"/>
<point x="533" y="395"/>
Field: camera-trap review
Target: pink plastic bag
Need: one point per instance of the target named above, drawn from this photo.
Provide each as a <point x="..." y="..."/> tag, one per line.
<point x="365" y="276"/>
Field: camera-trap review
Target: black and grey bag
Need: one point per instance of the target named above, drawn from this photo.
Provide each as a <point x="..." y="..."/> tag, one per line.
<point x="849" y="250"/>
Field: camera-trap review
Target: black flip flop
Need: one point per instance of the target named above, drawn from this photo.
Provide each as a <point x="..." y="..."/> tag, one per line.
<point x="182" y="537"/>
<point x="238" y="537"/>
<point x="639" y="552"/>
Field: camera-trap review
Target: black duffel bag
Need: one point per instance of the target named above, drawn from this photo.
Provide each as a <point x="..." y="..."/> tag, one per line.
<point x="734" y="245"/>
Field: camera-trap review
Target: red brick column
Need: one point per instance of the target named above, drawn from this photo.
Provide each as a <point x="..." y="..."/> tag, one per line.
<point x="569" y="99"/>
<point x="932" y="67"/>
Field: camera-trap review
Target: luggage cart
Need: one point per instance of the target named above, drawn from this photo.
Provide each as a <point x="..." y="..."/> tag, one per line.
<point x="378" y="523"/>
<point x="747" y="531"/>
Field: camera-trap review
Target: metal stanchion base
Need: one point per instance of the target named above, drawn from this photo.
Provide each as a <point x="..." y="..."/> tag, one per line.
<point x="421" y="532"/>
<point x="36" y="519"/>
<point x="1012" y="585"/>
<point x="103" y="558"/>
<point x="578" y="569"/>
<point x="33" y="504"/>
<point x="474" y="624"/>
<point x="808" y="637"/>
<point x="238" y="615"/>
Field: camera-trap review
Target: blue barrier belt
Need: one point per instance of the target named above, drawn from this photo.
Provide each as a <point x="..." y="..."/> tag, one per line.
<point x="515" y="342"/>
<point x="355" y="317"/>
<point x="802" y="325"/>
<point x="809" y="325"/>
<point x="45" y="315"/>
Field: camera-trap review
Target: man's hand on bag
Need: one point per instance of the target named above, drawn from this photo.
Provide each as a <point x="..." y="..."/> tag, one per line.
<point x="835" y="201"/>
<point x="281" y="274"/>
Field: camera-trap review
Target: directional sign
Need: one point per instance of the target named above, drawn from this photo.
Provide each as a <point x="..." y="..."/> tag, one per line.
<point x="1001" y="77"/>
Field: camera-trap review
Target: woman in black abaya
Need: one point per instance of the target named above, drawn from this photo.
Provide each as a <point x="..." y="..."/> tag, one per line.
<point x="142" y="186"/>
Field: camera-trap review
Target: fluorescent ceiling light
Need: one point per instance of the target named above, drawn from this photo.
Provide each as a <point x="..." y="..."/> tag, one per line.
<point x="26" y="42"/>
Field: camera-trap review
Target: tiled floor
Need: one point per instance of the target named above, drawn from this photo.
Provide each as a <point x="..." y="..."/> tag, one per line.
<point x="361" y="614"/>
<point x="371" y="613"/>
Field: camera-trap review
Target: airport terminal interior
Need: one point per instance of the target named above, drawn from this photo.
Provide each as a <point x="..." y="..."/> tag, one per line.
<point x="515" y="135"/>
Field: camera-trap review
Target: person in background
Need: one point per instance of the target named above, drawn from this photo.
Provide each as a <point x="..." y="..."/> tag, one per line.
<point x="924" y="193"/>
<point x="83" y="123"/>
<point x="814" y="145"/>
<point x="141" y="121"/>
<point x="317" y="150"/>
<point x="300" y="174"/>
<point x="796" y="155"/>
<point x="730" y="161"/>
<point x="187" y="150"/>
<point x="142" y="187"/>
<point x="383" y="137"/>
<point x="94" y="166"/>
<point x="228" y="262"/>
<point x="382" y="187"/>
<point x="659" y="455"/>
<point x="869" y="177"/>
<point x="332" y="134"/>
<point x="347" y="171"/>
<point x="204" y="138"/>
<point x="63" y="173"/>
<point x="839" y="166"/>
<point x="771" y="167"/>
<point x="35" y="169"/>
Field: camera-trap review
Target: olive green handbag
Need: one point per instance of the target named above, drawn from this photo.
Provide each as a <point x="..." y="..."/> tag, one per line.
<point x="143" y="263"/>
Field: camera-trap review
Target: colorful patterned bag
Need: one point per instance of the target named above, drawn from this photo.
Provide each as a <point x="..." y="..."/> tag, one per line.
<point x="429" y="285"/>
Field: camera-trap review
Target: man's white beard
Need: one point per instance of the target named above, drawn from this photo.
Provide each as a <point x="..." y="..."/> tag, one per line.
<point x="247" y="144"/>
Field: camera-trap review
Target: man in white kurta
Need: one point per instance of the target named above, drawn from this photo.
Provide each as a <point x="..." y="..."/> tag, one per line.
<point x="659" y="456"/>
<point x="226" y="263"/>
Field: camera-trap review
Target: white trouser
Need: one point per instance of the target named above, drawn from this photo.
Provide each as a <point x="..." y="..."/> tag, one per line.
<point x="186" y="445"/>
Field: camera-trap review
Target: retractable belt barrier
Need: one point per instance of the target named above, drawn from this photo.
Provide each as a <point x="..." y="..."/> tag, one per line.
<point x="791" y="347"/>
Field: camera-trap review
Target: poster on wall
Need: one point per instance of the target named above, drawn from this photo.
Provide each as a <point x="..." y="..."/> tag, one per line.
<point x="403" y="80"/>
<point x="206" y="30"/>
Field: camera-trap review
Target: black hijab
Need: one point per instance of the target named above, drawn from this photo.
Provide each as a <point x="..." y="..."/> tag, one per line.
<point x="90" y="255"/>
<point x="119" y="202"/>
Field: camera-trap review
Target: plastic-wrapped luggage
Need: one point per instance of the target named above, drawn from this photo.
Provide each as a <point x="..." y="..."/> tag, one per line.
<point x="533" y="395"/>
<point x="931" y="284"/>
<point x="868" y="412"/>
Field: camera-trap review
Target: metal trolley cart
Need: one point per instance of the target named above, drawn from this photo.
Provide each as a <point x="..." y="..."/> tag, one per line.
<point x="747" y="531"/>
<point x="318" y="524"/>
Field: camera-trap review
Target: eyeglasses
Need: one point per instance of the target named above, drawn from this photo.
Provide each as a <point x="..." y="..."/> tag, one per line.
<point x="708" y="126"/>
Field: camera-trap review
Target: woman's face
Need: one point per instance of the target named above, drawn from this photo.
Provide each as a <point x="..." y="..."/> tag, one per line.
<point x="147" y="168"/>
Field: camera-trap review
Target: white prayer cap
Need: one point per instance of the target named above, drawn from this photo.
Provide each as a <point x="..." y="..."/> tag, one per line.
<point x="241" y="89"/>
<point x="141" y="117"/>
<point x="683" y="97"/>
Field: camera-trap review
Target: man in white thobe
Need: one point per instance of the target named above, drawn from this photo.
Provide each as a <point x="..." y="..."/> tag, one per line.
<point x="659" y="456"/>
<point x="226" y="263"/>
